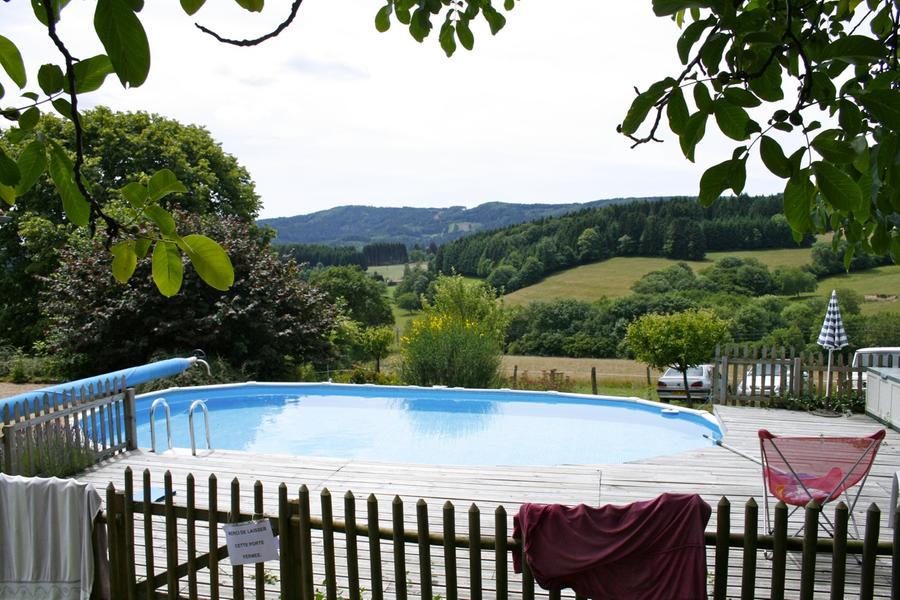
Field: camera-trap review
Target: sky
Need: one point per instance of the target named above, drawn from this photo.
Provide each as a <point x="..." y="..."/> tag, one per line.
<point x="332" y="112"/>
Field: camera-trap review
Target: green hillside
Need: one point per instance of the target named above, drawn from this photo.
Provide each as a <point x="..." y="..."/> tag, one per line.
<point x="613" y="278"/>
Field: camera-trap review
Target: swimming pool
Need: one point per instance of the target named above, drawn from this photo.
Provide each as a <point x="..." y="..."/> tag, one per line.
<point x="428" y="425"/>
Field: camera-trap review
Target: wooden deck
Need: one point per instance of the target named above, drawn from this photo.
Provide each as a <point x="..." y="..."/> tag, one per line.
<point x="712" y="472"/>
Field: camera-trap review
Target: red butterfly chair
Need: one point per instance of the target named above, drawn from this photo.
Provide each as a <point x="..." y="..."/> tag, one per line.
<point x="799" y="469"/>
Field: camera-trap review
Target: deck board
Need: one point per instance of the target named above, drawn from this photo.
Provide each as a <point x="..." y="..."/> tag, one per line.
<point x="712" y="472"/>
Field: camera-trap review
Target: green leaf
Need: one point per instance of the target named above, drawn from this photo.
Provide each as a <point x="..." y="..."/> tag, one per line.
<point x="9" y="170"/>
<point x="162" y="218"/>
<point x="711" y="52"/>
<point x="7" y="194"/>
<point x="90" y="73"/>
<point x="63" y="107"/>
<point x="837" y="187"/>
<point x="799" y="195"/>
<point x="51" y="79"/>
<point x="854" y="49"/>
<point x="32" y="164"/>
<point x="667" y="8"/>
<point x="251" y="5"/>
<point x="718" y="178"/>
<point x="62" y="172"/>
<point x="642" y="104"/>
<point x="124" y="39"/>
<point x="884" y="106"/>
<point x="693" y="133"/>
<point x="210" y="261"/>
<point x="163" y="183"/>
<point x="773" y="157"/>
<point x="29" y="119"/>
<point x="741" y="97"/>
<point x="192" y="6"/>
<point x="690" y="36"/>
<point x="167" y="268"/>
<point x="141" y="245"/>
<point x="702" y="98"/>
<point x="124" y="261"/>
<point x="495" y="20"/>
<point x="11" y="61"/>
<point x="732" y="120"/>
<point x="383" y="18"/>
<point x="850" y="117"/>
<point x="135" y="194"/>
<point x="677" y="111"/>
<point x="832" y="150"/>
<point x="465" y="34"/>
<point x="768" y="85"/>
<point x="447" y="38"/>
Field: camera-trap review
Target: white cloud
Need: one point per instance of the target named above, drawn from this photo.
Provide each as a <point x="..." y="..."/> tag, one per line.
<point x="332" y="112"/>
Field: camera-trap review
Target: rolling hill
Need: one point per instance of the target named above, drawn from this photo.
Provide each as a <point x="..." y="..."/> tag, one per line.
<point x="360" y="225"/>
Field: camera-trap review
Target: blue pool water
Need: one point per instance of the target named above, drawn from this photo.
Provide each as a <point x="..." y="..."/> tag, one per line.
<point x="428" y="425"/>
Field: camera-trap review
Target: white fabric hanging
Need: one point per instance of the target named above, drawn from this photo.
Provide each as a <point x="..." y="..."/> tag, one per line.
<point x="45" y="538"/>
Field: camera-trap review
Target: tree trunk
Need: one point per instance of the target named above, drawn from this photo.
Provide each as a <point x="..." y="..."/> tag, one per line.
<point x="687" y="390"/>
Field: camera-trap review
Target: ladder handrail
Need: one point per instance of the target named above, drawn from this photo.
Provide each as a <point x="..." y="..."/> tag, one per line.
<point x="153" y="406"/>
<point x="202" y="405"/>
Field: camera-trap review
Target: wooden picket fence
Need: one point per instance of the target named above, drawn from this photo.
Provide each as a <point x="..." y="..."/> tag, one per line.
<point x="345" y="558"/>
<point x="69" y="431"/>
<point x="763" y="376"/>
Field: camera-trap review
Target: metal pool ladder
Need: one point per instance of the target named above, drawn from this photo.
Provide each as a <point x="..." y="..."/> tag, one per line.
<point x="157" y="402"/>
<point x="202" y="405"/>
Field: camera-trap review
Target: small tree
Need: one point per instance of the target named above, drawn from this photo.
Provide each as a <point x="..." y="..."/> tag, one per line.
<point x="408" y="301"/>
<point x="681" y="340"/>
<point x="792" y="281"/>
<point x="376" y="343"/>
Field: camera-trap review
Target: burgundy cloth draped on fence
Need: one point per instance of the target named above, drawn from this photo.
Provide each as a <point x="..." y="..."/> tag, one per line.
<point x="650" y="550"/>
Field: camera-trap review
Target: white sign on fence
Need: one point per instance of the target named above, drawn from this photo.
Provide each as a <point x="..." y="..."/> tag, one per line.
<point x="251" y="542"/>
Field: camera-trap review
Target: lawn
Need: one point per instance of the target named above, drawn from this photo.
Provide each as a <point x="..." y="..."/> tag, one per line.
<point x="393" y="272"/>
<point x="881" y="281"/>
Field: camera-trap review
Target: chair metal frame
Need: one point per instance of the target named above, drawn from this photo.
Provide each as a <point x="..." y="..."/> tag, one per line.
<point x="874" y="443"/>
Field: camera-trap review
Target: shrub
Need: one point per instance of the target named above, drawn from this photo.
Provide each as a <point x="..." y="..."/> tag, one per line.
<point x="457" y="342"/>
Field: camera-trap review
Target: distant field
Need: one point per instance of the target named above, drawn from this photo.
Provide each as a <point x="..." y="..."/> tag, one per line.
<point x="579" y="369"/>
<point x="392" y="272"/>
<point x="884" y="281"/>
<point x="614" y="277"/>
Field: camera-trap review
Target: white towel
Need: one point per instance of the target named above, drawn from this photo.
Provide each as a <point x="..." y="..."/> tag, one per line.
<point x="45" y="538"/>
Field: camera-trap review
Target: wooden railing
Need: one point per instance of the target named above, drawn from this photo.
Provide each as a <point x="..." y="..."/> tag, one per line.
<point x="56" y="434"/>
<point x="763" y="376"/>
<point x="323" y="557"/>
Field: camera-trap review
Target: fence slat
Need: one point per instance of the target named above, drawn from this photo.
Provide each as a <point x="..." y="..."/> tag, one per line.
<point x="149" y="547"/>
<point x="306" y="561"/>
<point x="424" y="549"/>
<point x="328" y="545"/>
<point x="450" y="551"/>
<point x="501" y="561"/>
<point x="527" y="581"/>
<point x="779" y="550"/>
<point x="723" y="531"/>
<point x="351" y="541"/>
<point x="237" y="571"/>
<point x="374" y="548"/>
<point x="839" y="556"/>
<point x="191" y="538"/>
<point x="475" y="553"/>
<point x="213" y="536"/>
<point x="128" y="509"/>
<point x="260" y="568"/>
<point x="808" y="564"/>
<point x="399" y="548"/>
<point x="870" y="543"/>
<point x="748" y="570"/>
<point x="171" y="539"/>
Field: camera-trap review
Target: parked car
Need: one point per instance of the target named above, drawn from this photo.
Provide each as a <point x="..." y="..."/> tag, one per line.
<point x="670" y="386"/>
<point x="884" y="356"/>
<point x="767" y="379"/>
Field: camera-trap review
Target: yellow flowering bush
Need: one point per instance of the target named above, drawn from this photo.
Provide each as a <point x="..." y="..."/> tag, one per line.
<point x="458" y="340"/>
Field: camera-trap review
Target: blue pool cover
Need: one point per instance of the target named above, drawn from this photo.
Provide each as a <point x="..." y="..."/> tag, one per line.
<point x="133" y="376"/>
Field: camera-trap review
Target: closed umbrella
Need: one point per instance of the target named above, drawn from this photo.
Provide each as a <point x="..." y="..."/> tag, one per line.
<point x="833" y="337"/>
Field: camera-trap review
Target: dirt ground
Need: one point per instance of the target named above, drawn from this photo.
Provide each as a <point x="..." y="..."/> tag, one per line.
<point x="11" y="389"/>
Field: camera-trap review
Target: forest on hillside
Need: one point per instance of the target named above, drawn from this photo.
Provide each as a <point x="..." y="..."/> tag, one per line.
<point x="520" y="255"/>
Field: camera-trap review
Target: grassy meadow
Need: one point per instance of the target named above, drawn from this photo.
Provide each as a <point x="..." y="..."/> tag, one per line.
<point x="880" y="281"/>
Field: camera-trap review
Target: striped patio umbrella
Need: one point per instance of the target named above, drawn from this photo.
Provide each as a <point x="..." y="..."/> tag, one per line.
<point x="832" y="337"/>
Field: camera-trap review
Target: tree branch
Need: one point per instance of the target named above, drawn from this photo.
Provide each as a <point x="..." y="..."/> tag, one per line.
<point x="96" y="209"/>
<point x="281" y="27"/>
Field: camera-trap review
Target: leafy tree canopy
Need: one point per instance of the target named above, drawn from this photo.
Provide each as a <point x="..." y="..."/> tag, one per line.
<point x="365" y="298"/>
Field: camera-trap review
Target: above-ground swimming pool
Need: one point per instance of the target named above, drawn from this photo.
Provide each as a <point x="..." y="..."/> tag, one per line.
<point x="427" y="425"/>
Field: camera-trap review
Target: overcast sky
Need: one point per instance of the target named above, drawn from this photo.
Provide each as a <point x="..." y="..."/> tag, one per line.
<point x="333" y="112"/>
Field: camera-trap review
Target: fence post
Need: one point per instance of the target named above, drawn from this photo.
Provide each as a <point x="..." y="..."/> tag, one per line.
<point x="594" y="380"/>
<point x="723" y="532"/>
<point x="797" y="376"/>
<point x="130" y="421"/>
<point x="870" y="555"/>
<point x="8" y="436"/>
<point x="515" y="375"/>
<point x="723" y="380"/>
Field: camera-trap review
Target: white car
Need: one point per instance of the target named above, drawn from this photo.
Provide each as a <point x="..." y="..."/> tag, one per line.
<point x="670" y="386"/>
<point x="884" y="356"/>
<point x="765" y="379"/>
